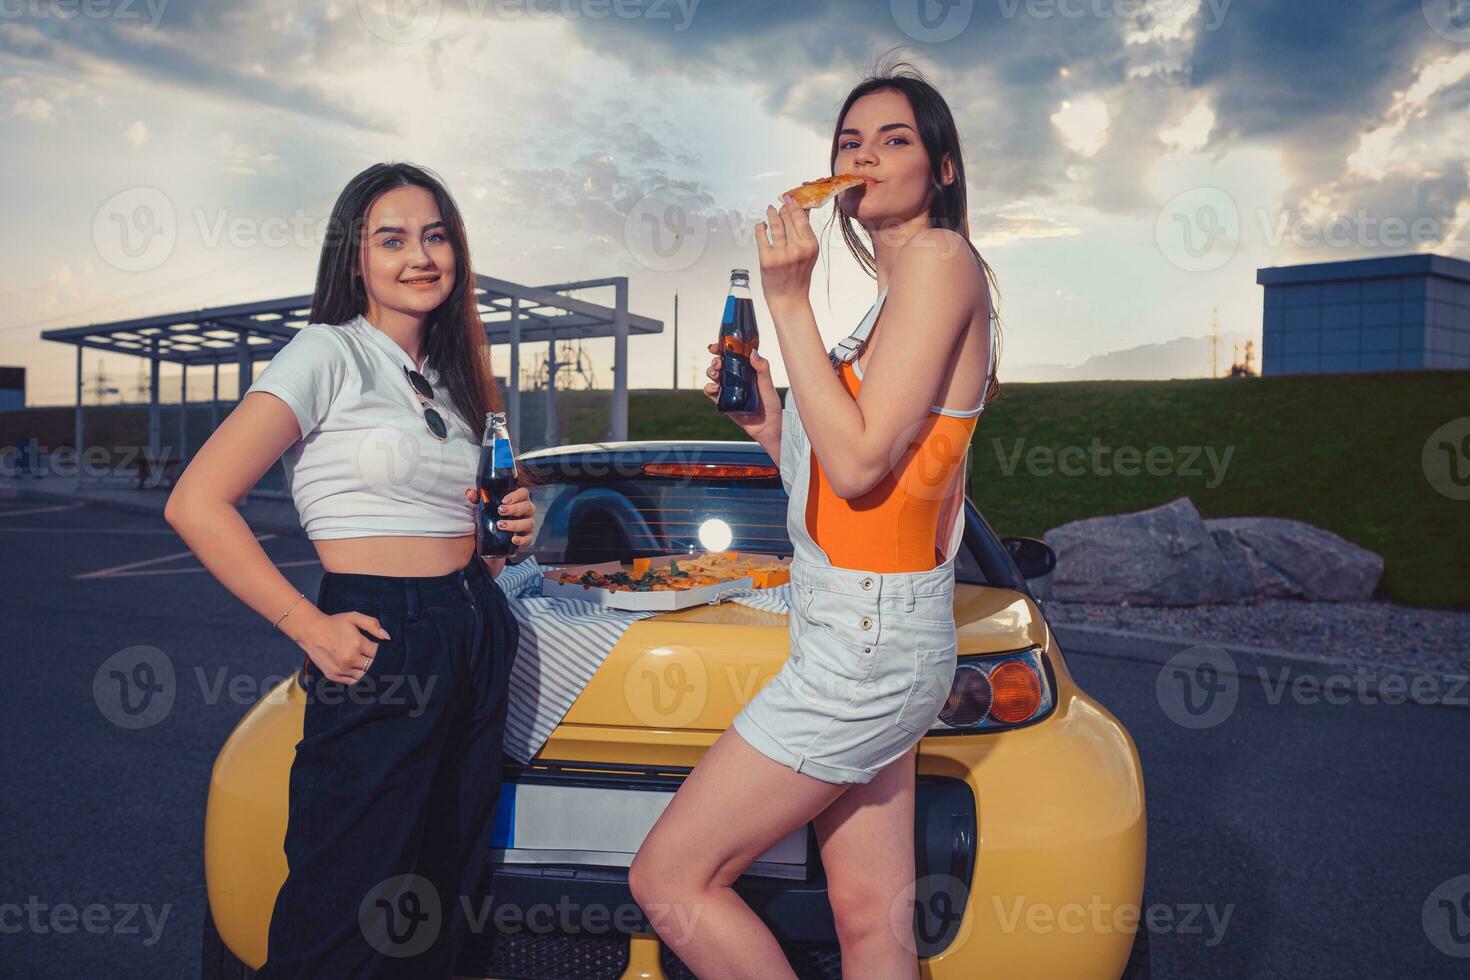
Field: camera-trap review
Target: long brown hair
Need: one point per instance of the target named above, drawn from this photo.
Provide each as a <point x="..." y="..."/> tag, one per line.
<point x="454" y="335"/>
<point x="941" y="138"/>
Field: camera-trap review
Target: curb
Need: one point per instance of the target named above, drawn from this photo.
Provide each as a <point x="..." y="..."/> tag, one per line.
<point x="1410" y="685"/>
<point x="137" y="507"/>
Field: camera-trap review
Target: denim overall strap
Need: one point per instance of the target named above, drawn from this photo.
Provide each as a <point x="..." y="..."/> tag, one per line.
<point x="850" y="346"/>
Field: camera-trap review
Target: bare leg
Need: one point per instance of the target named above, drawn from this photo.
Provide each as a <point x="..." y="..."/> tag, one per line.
<point x="733" y="807"/>
<point x="867" y="843"/>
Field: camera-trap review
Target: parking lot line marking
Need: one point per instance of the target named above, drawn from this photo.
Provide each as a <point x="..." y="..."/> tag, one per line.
<point x="120" y="569"/>
<point x="41" y="510"/>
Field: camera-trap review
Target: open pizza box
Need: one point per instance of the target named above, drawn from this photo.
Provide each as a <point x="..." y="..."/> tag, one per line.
<point x="661" y="601"/>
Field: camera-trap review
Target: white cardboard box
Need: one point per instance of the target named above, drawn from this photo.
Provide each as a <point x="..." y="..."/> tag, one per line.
<point x="661" y="601"/>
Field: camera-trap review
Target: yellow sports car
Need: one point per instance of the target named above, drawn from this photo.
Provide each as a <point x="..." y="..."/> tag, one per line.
<point x="1029" y="823"/>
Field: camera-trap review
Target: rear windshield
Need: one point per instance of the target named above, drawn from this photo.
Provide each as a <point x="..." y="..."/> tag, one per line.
<point x="581" y="523"/>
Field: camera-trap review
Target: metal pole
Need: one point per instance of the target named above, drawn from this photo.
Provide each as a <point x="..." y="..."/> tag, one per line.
<point x="550" y="435"/>
<point x="183" y="410"/>
<point x="155" y="435"/>
<point x="620" y="363"/>
<point x="676" y="340"/>
<point x="77" y="423"/>
<point x="214" y="402"/>
<point x="247" y="369"/>
<point x="514" y="404"/>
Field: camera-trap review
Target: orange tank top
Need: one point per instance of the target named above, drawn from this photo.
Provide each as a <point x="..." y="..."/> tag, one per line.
<point x="896" y="526"/>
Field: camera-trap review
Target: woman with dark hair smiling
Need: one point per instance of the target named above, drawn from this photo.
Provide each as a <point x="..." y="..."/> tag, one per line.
<point x="380" y="403"/>
<point x="874" y="460"/>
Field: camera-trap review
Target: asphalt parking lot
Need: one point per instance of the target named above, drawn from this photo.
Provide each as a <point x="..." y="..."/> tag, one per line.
<point x="1289" y="837"/>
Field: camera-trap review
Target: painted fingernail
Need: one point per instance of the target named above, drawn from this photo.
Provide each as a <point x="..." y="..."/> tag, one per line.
<point x="504" y="509"/>
<point x="789" y="199"/>
<point x="502" y="524"/>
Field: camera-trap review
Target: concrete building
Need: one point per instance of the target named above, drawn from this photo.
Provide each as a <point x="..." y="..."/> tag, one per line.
<point x="1402" y="312"/>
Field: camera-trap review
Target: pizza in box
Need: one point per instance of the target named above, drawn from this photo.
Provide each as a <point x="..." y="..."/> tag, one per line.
<point x="681" y="573"/>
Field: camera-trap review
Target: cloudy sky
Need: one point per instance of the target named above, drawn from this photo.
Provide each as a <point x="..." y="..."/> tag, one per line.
<point x="1131" y="163"/>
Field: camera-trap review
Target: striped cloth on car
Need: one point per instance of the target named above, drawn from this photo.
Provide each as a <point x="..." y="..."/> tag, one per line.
<point x="563" y="642"/>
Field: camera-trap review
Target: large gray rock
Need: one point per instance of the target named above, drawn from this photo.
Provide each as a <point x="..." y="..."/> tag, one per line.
<point x="1276" y="557"/>
<point x="1160" y="557"/>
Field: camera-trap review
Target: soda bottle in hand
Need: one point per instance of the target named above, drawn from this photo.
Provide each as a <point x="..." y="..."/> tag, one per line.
<point x="739" y="393"/>
<point x="496" y="478"/>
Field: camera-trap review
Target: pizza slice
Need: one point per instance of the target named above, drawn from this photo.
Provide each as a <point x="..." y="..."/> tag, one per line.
<point x="815" y="193"/>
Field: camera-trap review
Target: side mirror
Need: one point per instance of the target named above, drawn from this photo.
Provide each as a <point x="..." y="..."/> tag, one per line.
<point x="1032" y="556"/>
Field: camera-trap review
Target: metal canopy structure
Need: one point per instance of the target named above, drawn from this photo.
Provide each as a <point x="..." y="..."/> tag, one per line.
<point x="245" y="333"/>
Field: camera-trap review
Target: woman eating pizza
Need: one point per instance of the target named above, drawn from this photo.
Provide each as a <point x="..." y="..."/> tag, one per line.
<point x="872" y="445"/>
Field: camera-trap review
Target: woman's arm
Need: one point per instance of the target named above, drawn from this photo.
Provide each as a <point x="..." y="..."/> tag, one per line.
<point x="935" y="291"/>
<point x="202" y="508"/>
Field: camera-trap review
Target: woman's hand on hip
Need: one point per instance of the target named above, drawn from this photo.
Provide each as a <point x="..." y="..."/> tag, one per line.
<point x="334" y="642"/>
<point x="788" y="258"/>
<point x="517" y="514"/>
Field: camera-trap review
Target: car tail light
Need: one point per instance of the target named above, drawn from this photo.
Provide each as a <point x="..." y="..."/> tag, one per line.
<point x="713" y="471"/>
<point x="993" y="693"/>
<point x="1017" y="692"/>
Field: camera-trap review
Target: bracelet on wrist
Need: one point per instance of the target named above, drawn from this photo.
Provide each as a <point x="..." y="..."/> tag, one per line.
<point x="299" y="597"/>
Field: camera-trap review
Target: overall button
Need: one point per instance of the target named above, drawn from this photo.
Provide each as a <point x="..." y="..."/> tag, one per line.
<point x="865" y="623"/>
<point x="867" y="584"/>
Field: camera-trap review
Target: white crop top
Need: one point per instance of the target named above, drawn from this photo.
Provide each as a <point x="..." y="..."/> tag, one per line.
<point x="366" y="463"/>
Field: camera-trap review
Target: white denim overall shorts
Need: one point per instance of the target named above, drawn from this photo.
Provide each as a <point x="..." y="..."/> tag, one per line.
<point x="872" y="655"/>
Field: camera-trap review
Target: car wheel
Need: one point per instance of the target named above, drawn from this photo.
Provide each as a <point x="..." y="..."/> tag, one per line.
<point x="216" y="960"/>
<point x="1139" y="967"/>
